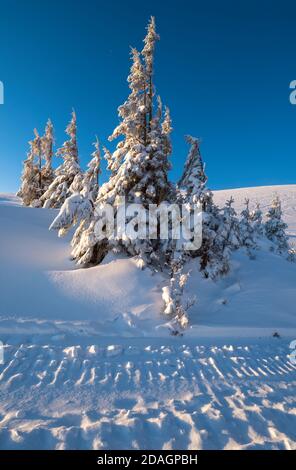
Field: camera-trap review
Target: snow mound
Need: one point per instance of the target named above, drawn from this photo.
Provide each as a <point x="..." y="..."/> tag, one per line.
<point x="38" y="281"/>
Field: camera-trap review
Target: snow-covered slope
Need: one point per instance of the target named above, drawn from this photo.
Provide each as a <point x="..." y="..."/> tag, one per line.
<point x="89" y="361"/>
<point x="264" y="195"/>
<point x="117" y="298"/>
<point x="39" y="282"/>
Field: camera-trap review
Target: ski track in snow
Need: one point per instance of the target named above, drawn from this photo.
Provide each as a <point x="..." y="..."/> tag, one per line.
<point x="169" y="396"/>
<point x="66" y="384"/>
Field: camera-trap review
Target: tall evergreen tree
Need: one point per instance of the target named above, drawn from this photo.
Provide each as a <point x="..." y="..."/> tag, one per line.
<point x="29" y="189"/>
<point x="59" y="189"/>
<point x="140" y="163"/>
<point x="194" y="178"/>
<point x="47" y="142"/>
<point x="36" y="145"/>
<point x="31" y="181"/>
<point x="148" y="55"/>
<point x="213" y="255"/>
<point x="78" y="208"/>
<point x="91" y="177"/>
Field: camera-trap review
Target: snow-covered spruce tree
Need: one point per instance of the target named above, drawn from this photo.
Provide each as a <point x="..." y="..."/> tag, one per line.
<point x="148" y="56"/>
<point x="59" y="189"/>
<point x="36" y="145"/>
<point x="29" y="189"/>
<point x="190" y="190"/>
<point x="229" y="229"/>
<point x="212" y="255"/>
<point x="246" y="231"/>
<point x="91" y="178"/>
<point x="39" y="174"/>
<point x="31" y="181"/>
<point x="90" y="189"/>
<point x="219" y="238"/>
<point x="47" y="142"/>
<point x="173" y="298"/>
<point x="194" y="178"/>
<point x="139" y="164"/>
<point x="78" y="208"/>
<point x="256" y="218"/>
<point x="175" y="305"/>
<point x="275" y="228"/>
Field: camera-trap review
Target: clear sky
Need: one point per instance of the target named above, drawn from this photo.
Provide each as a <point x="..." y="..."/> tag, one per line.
<point x="223" y="68"/>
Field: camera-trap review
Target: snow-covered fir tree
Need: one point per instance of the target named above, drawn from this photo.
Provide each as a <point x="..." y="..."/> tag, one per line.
<point x="256" y="218"/>
<point x="213" y="254"/>
<point x="173" y="295"/>
<point x="36" y="145"/>
<point x="220" y="238"/>
<point x="194" y="178"/>
<point x="31" y="181"/>
<point x="79" y="207"/>
<point x="230" y="226"/>
<point x="38" y="173"/>
<point x="148" y="56"/>
<point x="246" y="230"/>
<point x="47" y="142"/>
<point x="190" y="191"/>
<point x="214" y="251"/>
<point x="91" y="177"/>
<point x="59" y="189"/>
<point x="29" y="189"/>
<point x="140" y="162"/>
<point x="75" y="210"/>
<point x="275" y="228"/>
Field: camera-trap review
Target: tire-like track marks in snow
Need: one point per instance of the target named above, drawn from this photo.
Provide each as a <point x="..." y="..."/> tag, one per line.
<point x="170" y="396"/>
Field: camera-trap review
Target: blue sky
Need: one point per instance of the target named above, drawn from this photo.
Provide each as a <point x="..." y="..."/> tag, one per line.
<point x="223" y="68"/>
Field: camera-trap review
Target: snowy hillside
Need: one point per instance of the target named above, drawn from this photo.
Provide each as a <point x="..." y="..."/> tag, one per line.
<point x="89" y="361"/>
<point x="263" y="195"/>
<point x="117" y="298"/>
<point x="36" y="265"/>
